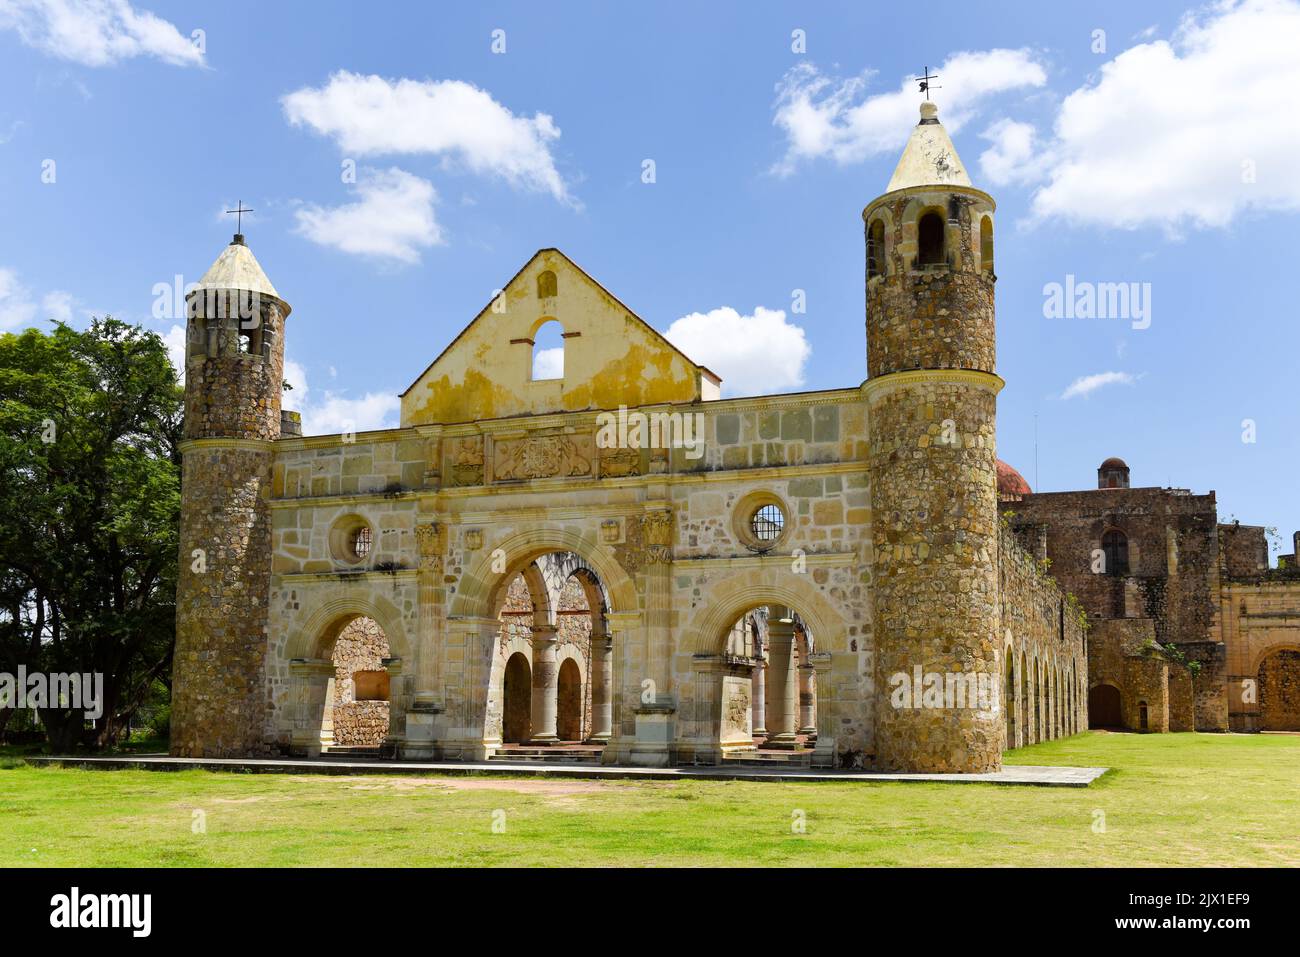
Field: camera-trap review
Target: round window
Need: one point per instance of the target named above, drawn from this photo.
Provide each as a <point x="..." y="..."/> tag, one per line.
<point x="767" y="523"/>
<point x="351" y="540"/>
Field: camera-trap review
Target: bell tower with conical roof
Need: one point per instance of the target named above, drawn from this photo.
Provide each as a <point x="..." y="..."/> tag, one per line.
<point x="234" y="375"/>
<point x="931" y="394"/>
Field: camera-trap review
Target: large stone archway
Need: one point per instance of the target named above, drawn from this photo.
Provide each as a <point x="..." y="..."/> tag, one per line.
<point x="310" y="672"/>
<point x="715" y="692"/>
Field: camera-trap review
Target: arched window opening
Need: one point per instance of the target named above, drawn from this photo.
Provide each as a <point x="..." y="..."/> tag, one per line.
<point x="548" y="351"/>
<point x="1114" y="546"/>
<point x="1142" y="716"/>
<point x="547" y="286"/>
<point x="876" y="249"/>
<point x="986" y="244"/>
<point x="929" y="240"/>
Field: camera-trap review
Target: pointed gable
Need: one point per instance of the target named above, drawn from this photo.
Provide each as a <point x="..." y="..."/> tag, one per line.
<point x="611" y="356"/>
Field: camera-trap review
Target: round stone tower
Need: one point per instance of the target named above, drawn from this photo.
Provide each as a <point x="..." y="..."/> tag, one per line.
<point x="931" y="394"/>
<point x="234" y="375"/>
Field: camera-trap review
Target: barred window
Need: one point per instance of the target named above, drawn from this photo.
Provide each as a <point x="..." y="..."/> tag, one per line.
<point x="360" y="542"/>
<point x="767" y="523"/>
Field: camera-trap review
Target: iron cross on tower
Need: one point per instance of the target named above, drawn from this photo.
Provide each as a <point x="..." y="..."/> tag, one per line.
<point x="926" y="85"/>
<point x="239" y="211"/>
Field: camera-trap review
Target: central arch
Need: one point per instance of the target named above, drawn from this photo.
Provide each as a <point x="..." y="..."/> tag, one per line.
<point x="479" y="584"/>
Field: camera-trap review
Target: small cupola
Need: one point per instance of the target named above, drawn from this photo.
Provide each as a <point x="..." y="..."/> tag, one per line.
<point x="1113" y="473"/>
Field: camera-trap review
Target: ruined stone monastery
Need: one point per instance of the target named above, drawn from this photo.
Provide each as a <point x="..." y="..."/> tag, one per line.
<point x="620" y="565"/>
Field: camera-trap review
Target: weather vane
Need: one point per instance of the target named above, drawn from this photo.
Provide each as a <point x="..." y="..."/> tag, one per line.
<point x="926" y="85"/>
<point x="240" y="209"/>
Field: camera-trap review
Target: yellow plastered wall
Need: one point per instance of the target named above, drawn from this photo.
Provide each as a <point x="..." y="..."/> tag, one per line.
<point x="611" y="357"/>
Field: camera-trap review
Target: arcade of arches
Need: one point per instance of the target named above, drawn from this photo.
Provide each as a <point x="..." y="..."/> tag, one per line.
<point x="552" y="677"/>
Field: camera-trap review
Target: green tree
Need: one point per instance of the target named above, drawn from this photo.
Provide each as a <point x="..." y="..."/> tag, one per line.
<point x="90" y="424"/>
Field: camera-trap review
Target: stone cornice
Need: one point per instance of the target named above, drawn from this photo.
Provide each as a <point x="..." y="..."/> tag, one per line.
<point x="249" y="445"/>
<point x="449" y="498"/>
<point x="811" y="559"/>
<point x="944" y="188"/>
<point x="584" y="419"/>
<point x="404" y="575"/>
<point x="878" y="386"/>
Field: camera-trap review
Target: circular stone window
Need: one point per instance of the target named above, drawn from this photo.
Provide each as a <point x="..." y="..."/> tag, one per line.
<point x="759" y="521"/>
<point x="351" y="539"/>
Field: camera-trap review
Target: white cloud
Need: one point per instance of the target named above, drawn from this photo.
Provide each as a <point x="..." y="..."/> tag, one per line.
<point x="1008" y="160"/>
<point x="57" y="306"/>
<point x="340" y="414"/>
<point x="296" y="376"/>
<point x="393" y="218"/>
<point x="824" y="117"/>
<point x="1087" y="385"/>
<point x="18" y="306"/>
<point x="174" y="340"/>
<point x="1172" y="131"/>
<point x="548" y="364"/>
<point x="336" y="413"/>
<point x="97" y="32"/>
<point x="754" y="354"/>
<point x="371" y="115"/>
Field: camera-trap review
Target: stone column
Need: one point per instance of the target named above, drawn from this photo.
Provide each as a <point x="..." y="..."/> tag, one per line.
<point x="760" y="694"/>
<point x="545" y="684"/>
<point x="807" y="700"/>
<point x="602" y="683"/>
<point x="782" y="684"/>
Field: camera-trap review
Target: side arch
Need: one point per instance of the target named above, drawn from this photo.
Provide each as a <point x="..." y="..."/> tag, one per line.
<point x="314" y="637"/>
<point x="730" y="599"/>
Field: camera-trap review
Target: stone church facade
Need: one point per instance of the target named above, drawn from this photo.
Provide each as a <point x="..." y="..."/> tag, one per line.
<point x="619" y="557"/>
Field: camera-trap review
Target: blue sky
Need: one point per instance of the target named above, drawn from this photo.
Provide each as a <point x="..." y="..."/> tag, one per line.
<point x="1162" y="152"/>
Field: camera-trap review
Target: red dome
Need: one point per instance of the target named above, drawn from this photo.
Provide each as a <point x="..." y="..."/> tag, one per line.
<point x="1114" y="463"/>
<point x="1011" y="482"/>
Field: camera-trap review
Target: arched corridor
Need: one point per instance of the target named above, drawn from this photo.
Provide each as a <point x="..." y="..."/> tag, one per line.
<point x="551" y="678"/>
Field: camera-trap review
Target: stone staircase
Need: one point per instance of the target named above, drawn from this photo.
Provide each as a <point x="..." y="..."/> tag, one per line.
<point x="547" y="755"/>
<point x="774" y="760"/>
<point x="376" y="752"/>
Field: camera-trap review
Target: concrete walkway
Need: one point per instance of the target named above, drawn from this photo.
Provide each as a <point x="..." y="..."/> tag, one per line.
<point x="1010" y="774"/>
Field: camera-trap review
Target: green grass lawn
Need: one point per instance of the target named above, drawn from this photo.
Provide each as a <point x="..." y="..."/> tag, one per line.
<point x="1172" y="799"/>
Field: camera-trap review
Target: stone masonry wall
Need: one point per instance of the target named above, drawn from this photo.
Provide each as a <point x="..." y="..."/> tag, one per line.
<point x="361" y="646"/>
